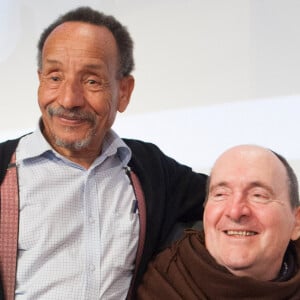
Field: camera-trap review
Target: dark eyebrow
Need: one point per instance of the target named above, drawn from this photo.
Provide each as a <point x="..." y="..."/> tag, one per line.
<point x="94" y="66"/>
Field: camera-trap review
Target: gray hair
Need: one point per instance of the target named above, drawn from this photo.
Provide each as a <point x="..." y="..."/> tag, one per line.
<point x="91" y="16"/>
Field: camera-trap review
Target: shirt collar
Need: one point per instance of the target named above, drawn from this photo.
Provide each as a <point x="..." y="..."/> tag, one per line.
<point x="34" y="145"/>
<point x="114" y="145"/>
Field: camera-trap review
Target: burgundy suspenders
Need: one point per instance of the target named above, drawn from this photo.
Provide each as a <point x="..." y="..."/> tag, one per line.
<point x="9" y="223"/>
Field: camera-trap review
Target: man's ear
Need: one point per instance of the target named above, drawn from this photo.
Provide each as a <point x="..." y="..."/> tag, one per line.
<point x="126" y="88"/>
<point x="296" y="231"/>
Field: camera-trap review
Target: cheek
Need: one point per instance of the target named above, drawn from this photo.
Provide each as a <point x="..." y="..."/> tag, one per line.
<point x="212" y="214"/>
<point x="284" y="222"/>
<point x="102" y="104"/>
<point x="41" y="97"/>
<point x="273" y="217"/>
<point x="278" y="225"/>
<point x="45" y="95"/>
<point x="100" y="107"/>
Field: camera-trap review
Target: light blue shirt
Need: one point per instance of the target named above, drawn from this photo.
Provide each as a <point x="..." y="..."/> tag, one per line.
<point x="77" y="236"/>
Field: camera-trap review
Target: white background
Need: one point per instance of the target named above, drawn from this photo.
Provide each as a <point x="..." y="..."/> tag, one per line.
<point x="209" y="74"/>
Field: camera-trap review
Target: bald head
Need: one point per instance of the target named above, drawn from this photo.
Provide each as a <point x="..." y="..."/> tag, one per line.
<point x="262" y="162"/>
<point x="248" y="218"/>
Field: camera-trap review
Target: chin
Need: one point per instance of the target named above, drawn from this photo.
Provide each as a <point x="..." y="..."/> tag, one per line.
<point x="237" y="264"/>
<point x="76" y="145"/>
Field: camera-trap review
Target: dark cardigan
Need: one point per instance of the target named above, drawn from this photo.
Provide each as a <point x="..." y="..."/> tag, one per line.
<point x="173" y="193"/>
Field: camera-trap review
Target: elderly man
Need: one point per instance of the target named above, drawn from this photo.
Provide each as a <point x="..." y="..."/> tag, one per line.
<point x="82" y="210"/>
<point x="250" y="247"/>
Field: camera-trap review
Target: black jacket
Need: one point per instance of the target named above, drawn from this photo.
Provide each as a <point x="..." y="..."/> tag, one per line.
<point x="173" y="193"/>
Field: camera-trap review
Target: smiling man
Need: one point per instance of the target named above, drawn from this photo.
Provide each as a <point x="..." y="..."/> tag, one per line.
<point x="82" y="209"/>
<point x="250" y="247"/>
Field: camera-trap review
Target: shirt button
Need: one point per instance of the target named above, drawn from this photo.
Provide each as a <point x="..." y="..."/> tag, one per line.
<point x="91" y="220"/>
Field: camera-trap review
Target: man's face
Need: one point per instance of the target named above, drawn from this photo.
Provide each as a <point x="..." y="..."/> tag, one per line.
<point x="80" y="92"/>
<point x="248" y="219"/>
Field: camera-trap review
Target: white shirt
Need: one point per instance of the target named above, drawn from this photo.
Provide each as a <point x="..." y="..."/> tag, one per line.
<point x="77" y="236"/>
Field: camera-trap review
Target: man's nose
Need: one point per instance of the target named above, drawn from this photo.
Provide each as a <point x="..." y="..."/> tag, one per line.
<point x="238" y="208"/>
<point x="71" y="94"/>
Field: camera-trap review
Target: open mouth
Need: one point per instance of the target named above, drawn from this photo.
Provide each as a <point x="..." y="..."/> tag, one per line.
<point x="240" y="233"/>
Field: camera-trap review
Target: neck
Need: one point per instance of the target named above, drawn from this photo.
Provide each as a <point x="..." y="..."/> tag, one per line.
<point x="84" y="157"/>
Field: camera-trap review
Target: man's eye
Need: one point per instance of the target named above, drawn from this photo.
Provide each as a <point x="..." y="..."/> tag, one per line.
<point x="258" y="195"/>
<point x="220" y="196"/>
<point x="52" y="80"/>
<point x="95" y="84"/>
<point x="55" y="78"/>
<point x="259" y="198"/>
<point x="91" y="81"/>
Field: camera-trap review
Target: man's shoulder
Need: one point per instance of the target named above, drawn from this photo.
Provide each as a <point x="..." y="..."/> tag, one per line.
<point x="7" y="148"/>
<point x="9" y="143"/>
<point x="143" y="150"/>
<point x="135" y="144"/>
<point x="148" y="156"/>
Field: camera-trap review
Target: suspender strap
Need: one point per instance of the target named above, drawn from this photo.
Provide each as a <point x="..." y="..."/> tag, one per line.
<point x="9" y="220"/>
<point x="142" y="214"/>
<point x="142" y="217"/>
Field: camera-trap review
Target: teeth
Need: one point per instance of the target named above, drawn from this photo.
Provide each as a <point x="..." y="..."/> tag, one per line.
<point x="240" y="232"/>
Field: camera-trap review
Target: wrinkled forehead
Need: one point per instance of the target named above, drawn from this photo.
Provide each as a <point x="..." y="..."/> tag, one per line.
<point x="80" y="36"/>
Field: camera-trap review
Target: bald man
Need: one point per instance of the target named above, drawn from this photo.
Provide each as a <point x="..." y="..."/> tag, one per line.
<point x="249" y="248"/>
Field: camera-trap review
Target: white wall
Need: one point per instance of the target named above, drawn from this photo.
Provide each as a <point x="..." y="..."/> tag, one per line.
<point x="209" y="73"/>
